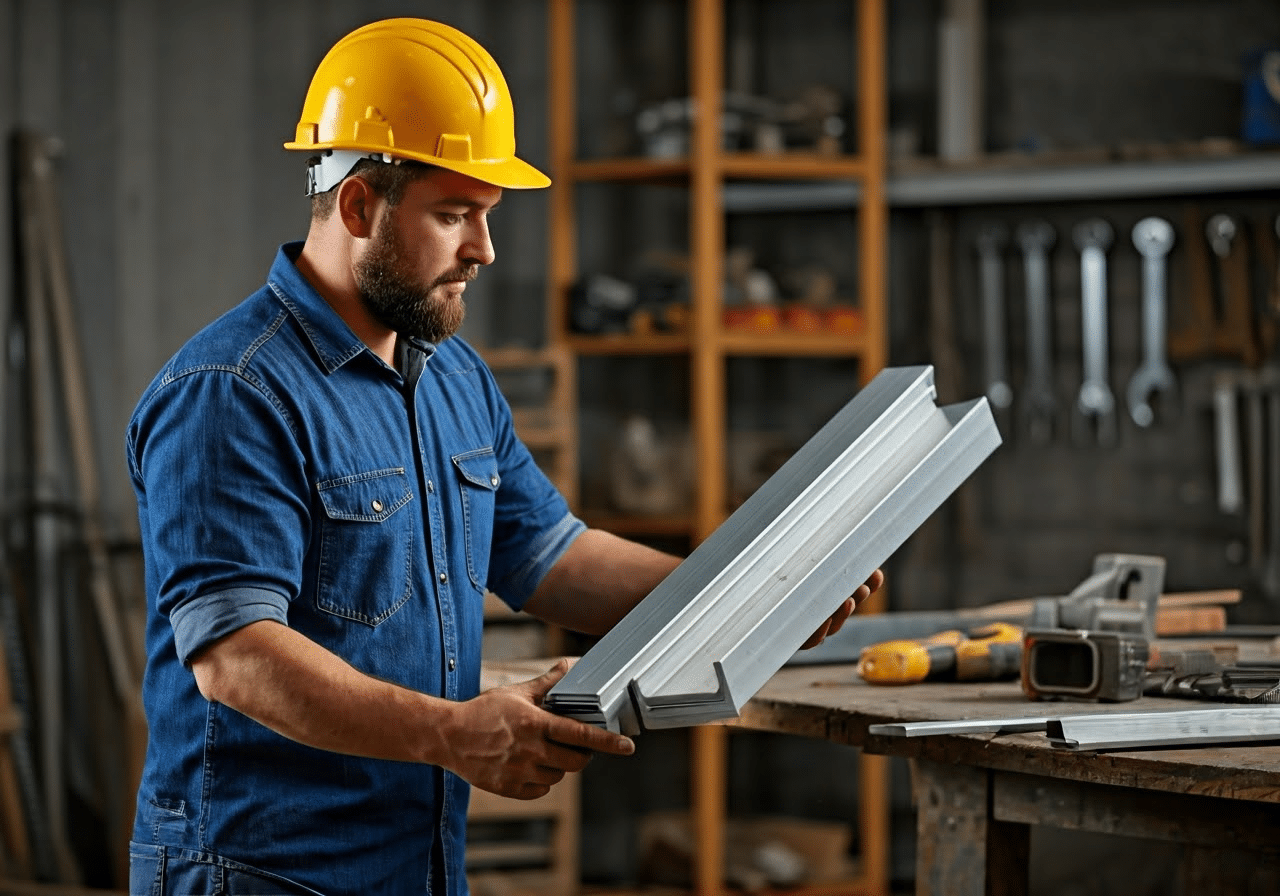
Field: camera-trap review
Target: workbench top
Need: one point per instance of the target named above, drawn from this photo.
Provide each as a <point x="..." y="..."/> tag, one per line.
<point x="833" y="704"/>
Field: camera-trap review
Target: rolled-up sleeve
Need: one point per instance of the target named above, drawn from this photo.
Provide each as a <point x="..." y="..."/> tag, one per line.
<point x="205" y="619"/>
<point x="225" y="518"/>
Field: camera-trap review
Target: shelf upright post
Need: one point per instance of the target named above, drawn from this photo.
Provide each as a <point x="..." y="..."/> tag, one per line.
<point x="562" y="226"/>
<point x="707" y="381"/>
<point x="873" y="289"/>
<point x="873" y="223"/>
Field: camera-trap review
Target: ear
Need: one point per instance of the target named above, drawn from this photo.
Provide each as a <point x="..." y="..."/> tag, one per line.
<point x="356" y="205"/>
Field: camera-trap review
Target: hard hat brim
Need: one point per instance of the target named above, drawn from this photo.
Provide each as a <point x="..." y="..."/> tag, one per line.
<point x="510" y="174"/>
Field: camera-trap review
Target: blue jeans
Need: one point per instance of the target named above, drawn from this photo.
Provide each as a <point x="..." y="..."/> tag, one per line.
<point x="171" y="871"/>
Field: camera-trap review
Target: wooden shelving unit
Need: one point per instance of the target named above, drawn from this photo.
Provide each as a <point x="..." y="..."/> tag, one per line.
<point x="706" y="344"/>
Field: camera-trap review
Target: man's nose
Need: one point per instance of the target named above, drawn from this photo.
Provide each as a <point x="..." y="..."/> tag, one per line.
<point x="478" y="249"/>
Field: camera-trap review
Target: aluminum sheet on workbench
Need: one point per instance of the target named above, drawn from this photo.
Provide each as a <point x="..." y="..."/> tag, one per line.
<point x="714" y="631"/>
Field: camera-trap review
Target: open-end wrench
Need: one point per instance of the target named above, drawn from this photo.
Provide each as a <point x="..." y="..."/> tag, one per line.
<point x="1227" y="443"/>
<point x="1153" y="238"/>
<point x="1095" y="401"/>
<point x="1235" y="335"/>
<point x="991" y="241"/>
<point x="1271" y="569"/>
<point x="1039" y="406"/>
<point x="1255" y="408"/>
<point x="1273" y="295"/>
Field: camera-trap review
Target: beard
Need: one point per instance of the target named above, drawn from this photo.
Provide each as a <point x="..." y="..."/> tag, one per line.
<point x="400" y="302"/>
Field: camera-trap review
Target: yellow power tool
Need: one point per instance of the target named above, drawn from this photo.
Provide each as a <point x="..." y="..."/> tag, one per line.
<point x="986" y="653"/>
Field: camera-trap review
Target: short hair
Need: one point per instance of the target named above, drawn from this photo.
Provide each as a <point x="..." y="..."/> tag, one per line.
<point x="387" y="180"/>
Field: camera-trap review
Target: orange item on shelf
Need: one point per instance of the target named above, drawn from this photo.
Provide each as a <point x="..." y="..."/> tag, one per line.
<point x="755" y="318"/>
<point x="843" y="319"/>
<point x="802" y="318"/>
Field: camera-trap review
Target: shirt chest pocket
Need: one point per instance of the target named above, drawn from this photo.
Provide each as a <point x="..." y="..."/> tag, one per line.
<point x="478" y="482"/>
<point x="367" y="545"/>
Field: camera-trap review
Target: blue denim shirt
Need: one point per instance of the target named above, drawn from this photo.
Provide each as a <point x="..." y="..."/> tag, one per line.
<point x="284" y="472"/>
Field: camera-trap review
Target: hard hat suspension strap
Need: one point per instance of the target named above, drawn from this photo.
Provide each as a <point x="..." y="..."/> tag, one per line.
<point x="328" y="169"/>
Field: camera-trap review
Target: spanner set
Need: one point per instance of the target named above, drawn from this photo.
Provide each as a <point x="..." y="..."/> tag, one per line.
<point x="1225" y="322"/>
<point x="1232" y="320"/>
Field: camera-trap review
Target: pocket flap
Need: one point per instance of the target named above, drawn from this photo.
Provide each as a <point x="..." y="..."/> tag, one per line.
<point x="365" y="497"/>
<point x="480" y="468"/>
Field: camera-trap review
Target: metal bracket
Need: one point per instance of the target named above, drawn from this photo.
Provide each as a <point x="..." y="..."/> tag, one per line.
<point x="708" y="637"/>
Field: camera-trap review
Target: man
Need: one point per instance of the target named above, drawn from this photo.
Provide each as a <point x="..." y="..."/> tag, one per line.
<point x="327" y="484"/>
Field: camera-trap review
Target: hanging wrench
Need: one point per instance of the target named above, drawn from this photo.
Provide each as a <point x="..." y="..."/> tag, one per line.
<point x="1227" y="443"/>
<point x="1153" y="238"/>
<point x="1255" y="409"/>
<point x="1235" y="335"/>
<point x="1039" y="406"/>
<point x="1271" y="569"/>
<point x="1095" y="401"/>
<point x="991" y="240"/>
<point x="1273" y="295"/>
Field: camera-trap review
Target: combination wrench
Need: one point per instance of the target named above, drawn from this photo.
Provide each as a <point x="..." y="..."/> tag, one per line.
<point x="1153" y="238"/>
<point x="991" y="241"/>
<point x="1271" y="566"/>
<point x="1095" y="401"/>
<point x="1226" y="443"/>
<point x="1039" y="406"/>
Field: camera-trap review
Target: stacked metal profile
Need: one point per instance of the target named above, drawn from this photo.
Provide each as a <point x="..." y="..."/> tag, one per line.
<point x="704" y="641"/>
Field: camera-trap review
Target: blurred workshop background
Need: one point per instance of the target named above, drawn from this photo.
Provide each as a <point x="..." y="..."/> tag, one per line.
<point x="1070" y="208"/>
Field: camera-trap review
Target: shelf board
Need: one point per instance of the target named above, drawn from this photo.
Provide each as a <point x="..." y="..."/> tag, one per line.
<point x="634" y="525"/>
<point x="1017" y="180"/>
<point x="792" y="343"/>
<point x="741" y="165"/>
<point x="793" y="165"/>
<point x="626" y="344"/>
<point x="638" y="168"/>
<point x="732" y="342"/>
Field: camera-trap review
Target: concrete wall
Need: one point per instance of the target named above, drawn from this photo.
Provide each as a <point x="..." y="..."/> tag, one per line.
<point x="175" y="188"/>
<point x="176" y="193"/>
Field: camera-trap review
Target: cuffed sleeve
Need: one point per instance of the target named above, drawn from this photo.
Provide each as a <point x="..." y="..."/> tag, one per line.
<point x="200" y="622"/>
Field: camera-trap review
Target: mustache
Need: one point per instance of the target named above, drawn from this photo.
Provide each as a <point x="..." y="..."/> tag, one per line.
<point x="460" y="275"/>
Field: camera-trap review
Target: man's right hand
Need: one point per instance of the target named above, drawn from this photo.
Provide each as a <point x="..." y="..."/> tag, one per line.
<point x="504" y="742"/>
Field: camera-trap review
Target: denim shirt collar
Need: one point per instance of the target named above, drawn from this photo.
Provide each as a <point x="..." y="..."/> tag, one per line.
<point x="335" y="343"/>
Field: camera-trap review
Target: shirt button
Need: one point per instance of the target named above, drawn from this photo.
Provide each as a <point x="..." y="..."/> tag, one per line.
<point x="493" y="480"/>
<point x="443" y="578"/>
<point x="452" y="663"/>
<point x="376" y="505"/>
<point x="431" y="487"/>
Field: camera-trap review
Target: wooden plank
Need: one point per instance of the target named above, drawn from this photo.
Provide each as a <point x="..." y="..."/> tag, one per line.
<point x="832" y="703"/>
<point x="951" y="829"/>
<point x="1221" y="869"/>
<point x="1126" y="811"/>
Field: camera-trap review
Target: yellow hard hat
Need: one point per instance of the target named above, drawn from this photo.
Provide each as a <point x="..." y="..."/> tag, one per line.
<point x="412" y="89"/>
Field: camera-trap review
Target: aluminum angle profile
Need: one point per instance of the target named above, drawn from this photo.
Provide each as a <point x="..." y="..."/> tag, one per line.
<point x="727" y="618"/>
<point x="1115" y="731"/>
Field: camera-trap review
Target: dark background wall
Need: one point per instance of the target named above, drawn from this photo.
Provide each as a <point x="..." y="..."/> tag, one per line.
<point x="176" y="190"/>
<point x="176" y="193"/>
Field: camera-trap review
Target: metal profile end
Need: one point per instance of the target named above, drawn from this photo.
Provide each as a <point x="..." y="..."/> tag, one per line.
<point x="681" y="710"/>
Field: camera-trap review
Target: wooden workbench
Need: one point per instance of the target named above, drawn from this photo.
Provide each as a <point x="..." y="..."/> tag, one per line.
<point x="978" y="795"/>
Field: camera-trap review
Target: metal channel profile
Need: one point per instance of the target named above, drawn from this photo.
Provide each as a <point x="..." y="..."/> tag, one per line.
<point x="704" y="641"/>
<point x="1114" y="731"/>
<point x="1015" y="725"/>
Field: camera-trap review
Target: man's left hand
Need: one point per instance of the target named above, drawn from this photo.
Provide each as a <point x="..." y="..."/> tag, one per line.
<point x="845" y="610"/>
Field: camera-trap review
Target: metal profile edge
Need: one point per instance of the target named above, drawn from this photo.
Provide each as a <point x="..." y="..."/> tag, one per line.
<point x="1114" y="731"/>
<point x="1013" y="725"/>
<point x="704" y="641"/>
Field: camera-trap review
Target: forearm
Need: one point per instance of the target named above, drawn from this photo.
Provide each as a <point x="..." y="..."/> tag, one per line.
<point x="292" y="685"/>
<point x="597" y="582"/>
<point x="502" y="741"/>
